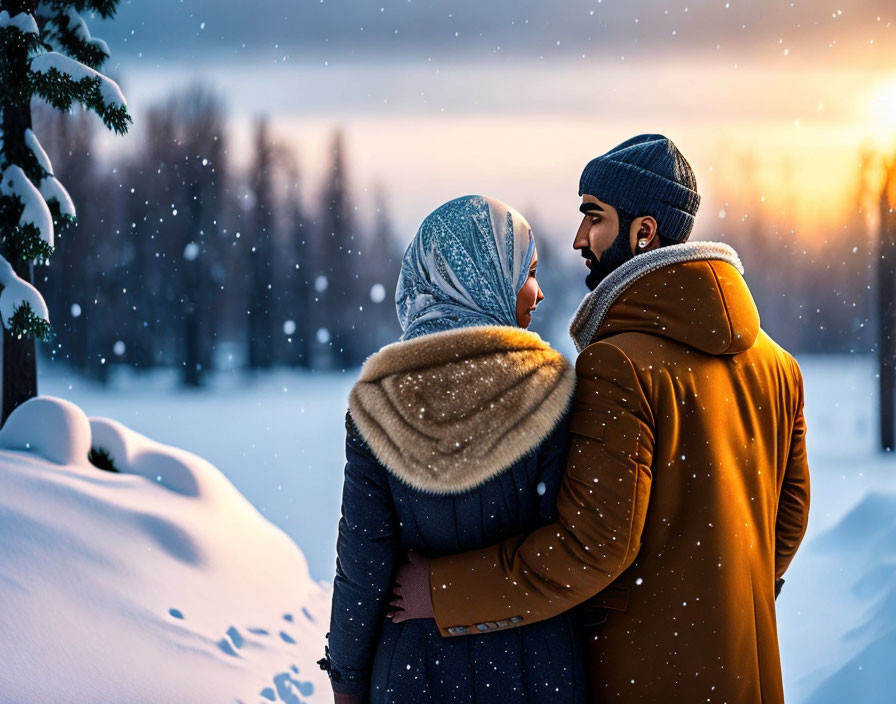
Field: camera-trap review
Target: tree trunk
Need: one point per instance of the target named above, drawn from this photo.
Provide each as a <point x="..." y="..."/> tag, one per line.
<point x="19" y="362"/>
<point x="886" y="308"/>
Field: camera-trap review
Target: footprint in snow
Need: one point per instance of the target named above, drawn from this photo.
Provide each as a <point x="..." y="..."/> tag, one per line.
<point x="235" y="636"/>
<point x="232" y="643"/>
<point x="288" y="689"/>
<point x="286" y="637"/>
<point x="176" y="613"/>
<point x="226" y="647"/>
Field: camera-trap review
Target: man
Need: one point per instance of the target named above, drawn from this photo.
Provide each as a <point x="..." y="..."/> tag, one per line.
<point x="686" y="491"/>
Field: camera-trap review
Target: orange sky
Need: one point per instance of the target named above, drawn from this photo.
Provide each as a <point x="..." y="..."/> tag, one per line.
<point x="522" y="130"/>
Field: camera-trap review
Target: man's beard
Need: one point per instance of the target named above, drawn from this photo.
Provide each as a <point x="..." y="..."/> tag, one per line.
<point x="612" y="258"/>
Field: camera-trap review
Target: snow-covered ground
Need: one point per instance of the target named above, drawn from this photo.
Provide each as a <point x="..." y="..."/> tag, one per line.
<point x="279" y="438"/>
<point x="157" y="583"/>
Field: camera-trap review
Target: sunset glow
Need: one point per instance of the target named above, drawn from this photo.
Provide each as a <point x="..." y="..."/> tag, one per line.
<point x="882" y="113"/>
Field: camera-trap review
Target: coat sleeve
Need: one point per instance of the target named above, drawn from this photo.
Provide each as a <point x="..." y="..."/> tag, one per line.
<point x="366" y="550"/>
<point x="793" y="498"/>
<point x="601" y="507"/>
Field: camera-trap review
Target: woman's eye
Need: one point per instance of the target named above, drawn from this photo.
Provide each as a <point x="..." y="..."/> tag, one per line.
<point x="532" y="272"/>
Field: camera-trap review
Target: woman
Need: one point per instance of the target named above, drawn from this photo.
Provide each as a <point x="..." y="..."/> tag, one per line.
<point x="455" y="440"/>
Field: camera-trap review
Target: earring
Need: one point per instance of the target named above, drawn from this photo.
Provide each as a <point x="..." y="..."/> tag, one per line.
<point x="642" y="243"/>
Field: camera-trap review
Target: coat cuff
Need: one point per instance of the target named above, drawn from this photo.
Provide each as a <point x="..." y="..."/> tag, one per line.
<point x="354" y="688"/>
<point x="344" y="680"/>
<point x="460" y="604"/>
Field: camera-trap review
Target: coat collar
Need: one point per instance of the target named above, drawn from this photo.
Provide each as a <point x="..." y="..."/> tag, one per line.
<point x="446" y="412"/>
<point x="692" y="292"/>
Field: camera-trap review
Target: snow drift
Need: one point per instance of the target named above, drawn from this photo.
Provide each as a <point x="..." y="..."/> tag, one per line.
<point x="156" y="583"/>
<point x="863" y="544"/>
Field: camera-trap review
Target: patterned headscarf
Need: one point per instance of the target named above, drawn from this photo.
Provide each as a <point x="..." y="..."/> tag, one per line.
<point x="464" y="267"/>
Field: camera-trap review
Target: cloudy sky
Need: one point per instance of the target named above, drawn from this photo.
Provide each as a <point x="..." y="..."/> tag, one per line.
<point x="512" y="98"/>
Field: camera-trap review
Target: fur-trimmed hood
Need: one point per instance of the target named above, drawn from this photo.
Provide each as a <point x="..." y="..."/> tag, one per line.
<point x="448" y="411"/>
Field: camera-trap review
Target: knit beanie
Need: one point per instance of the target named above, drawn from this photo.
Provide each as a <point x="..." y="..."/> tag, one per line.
<point x="646" y="175"/>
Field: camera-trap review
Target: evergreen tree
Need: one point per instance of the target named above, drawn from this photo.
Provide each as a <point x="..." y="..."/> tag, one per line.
<point x="261" y="254"/>
<point x="198" y="174"/>
<point x="338" y="264"/>
<point x="383" y="263"/>
<point x="886" y="305"/>
<point x="293" y="265"/>
<point x="68" y="285"/>
<point x="46" y="52"/>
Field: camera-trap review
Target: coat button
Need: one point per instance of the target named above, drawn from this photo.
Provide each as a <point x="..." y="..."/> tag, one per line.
<point x="502" y="624"/>
<point x="516" y="619"/>
<point x="457" y="630"/>
<point x="482" y="626"/>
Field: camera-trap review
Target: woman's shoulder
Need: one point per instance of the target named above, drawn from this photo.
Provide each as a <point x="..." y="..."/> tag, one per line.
<point x="355" y="439"/>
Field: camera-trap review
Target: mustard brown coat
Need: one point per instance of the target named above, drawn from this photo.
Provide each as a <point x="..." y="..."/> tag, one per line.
<point x="685" y="497"/>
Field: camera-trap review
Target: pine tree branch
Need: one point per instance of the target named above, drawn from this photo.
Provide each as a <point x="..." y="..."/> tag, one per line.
<point x="22" y="242"/>
<point x="24" y="322"/>
<point x="22" y="309"/>
<point x="67" y="32"/>
<point x="81" y="84"/>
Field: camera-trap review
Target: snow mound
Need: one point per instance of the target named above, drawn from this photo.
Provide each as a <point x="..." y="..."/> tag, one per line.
<point x="864" y="543"/>
<point x="156" y="583"/>
<point x="50" y="427"/>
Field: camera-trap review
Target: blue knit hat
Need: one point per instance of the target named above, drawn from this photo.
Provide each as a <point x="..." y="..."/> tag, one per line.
<point x="646" y="175"/>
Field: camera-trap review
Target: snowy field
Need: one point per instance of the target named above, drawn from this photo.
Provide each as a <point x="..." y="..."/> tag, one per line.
<point x="279" y="438"/>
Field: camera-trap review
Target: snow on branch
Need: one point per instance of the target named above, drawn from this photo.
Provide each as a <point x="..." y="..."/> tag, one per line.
<point x="78" y="27"/>
<point x="38" y="151"/>
<point x="22" y="308"/>
<point x="51" y="61"/>
<point x="23" y="22"/>
<point x="36" y="212"/>
<point x="66" y="31"/>
<point x="61" y="81"/>
<point x="51" y="189"/>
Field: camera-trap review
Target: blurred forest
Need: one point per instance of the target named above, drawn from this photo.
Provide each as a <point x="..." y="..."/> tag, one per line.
<point x="180" y="260"/>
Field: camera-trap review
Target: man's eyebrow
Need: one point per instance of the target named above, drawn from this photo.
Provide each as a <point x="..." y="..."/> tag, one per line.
<point x="586" y="208"/>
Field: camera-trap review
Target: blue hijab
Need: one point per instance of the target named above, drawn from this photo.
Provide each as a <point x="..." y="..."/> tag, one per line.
<point x="464" y="267"/>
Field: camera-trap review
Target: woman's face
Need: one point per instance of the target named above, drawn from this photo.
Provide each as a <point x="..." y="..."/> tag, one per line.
<point x="529" y="297"/>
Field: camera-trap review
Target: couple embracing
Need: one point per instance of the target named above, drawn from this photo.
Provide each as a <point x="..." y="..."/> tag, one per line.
<point x="616" y="532"/>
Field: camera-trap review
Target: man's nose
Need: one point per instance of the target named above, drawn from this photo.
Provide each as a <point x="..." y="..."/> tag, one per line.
<point x="581" y="238"/>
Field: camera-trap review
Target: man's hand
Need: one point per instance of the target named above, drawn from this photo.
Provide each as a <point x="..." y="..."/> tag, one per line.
<point x="411" y="597"/>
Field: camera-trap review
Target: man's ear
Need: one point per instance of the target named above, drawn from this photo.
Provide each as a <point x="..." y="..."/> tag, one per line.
<point x="644" y="228"/>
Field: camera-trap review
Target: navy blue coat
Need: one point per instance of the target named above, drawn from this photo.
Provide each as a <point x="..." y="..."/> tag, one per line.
<point x="384" y="515"/>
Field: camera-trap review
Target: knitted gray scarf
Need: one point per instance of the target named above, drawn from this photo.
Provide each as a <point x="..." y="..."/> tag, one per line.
<point x="594" y="306"/>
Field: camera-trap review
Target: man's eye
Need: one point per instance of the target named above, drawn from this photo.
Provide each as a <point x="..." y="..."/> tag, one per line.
<point x="595" y="219"/>
<point x="532" y="272"/>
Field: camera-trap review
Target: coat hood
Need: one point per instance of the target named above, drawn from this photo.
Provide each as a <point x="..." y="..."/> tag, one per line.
<point x="446" y="412"/>
<point x="692" y="293"/>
